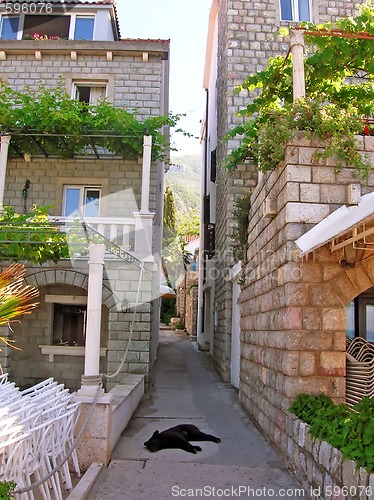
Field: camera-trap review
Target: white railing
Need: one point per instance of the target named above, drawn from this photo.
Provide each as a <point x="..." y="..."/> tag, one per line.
<point x="118" y="230"/>
<point x="132" y="235"/>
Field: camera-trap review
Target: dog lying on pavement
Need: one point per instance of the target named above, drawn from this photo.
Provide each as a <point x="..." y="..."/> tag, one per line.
<point x="179" y="437"/>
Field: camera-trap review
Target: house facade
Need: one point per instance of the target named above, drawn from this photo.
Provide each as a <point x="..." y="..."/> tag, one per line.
<point x="115" y="197"/>
<point x="275" y="326"/>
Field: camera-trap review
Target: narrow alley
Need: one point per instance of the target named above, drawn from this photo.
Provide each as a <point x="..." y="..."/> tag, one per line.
<point x="186" y="389"/>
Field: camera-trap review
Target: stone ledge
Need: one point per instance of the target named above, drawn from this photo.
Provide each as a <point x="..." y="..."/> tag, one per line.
<point x="319" y="467"/>
<point x="126" y="397"/>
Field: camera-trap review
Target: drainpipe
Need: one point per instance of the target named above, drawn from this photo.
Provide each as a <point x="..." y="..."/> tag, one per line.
<point x="298" y="74"/>
<point x="200" y="330"/>
<point x="92" y="380"/>
<point x="5" y="141"/>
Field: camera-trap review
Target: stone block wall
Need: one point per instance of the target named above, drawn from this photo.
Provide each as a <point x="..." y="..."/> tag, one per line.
<point x="120" y="182"/>
<point x="246" y="39"/>
<point x="187" y="300"/>
<point x="293" y="310"/>
<point x="121" y="281"/>
<point x="133" y="83"/>
<point x="321" y="469"/>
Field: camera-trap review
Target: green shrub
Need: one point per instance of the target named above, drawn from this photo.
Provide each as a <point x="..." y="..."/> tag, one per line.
<point x="349" y="430"/>
<point x="6" y="490"/>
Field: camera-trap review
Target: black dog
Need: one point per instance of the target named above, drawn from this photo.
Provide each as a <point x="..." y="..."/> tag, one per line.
<point x="179" y="437"/>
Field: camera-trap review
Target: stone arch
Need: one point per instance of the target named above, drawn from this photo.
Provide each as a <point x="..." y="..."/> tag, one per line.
<point x="43" y="277"/>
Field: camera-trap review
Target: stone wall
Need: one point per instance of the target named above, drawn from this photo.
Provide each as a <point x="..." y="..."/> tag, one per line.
<point x="246" y="40"/>
<point x="28" y="365"/>
<point x="320" y="468"/>
<point x="120" y="182"/>
<point x="187" y="300"/>
<point x="293" y="310"/>
<point x="133" y="83"/>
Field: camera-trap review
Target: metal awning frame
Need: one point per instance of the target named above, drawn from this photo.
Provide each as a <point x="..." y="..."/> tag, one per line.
<point x="355" y="239"/>
<point x="92" y="139"/>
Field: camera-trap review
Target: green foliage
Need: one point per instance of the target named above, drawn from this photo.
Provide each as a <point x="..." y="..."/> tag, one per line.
<point x="180" y="325"/>
<point x="186" y="194"/>
<point x="169" y="209"/>
<point x="30" y="237"/>
<point x="335" y="126"/>
<point x="239" y="235"/>
<point x="168" y="310"/>
<point x="6" y="490"/>
<point x="70" y="121"/>
<point x="339" y="75"/>
<point x="349" y="430"/>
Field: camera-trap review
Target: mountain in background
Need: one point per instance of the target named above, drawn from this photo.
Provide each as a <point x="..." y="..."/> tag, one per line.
<point x="184" y="179"/>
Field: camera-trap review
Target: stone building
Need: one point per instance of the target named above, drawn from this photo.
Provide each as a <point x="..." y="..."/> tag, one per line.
<point x="277" y="327"/>
<point x="91" y="61"/>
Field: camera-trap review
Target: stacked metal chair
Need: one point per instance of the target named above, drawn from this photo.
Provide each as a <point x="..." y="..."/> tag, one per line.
<point x="36" y="430"/>
<point x="359" y="370"/>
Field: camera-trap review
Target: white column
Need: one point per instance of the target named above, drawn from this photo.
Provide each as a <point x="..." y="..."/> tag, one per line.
<point x="91" y="379"/>
<point x="146" y="173"/>
<point x="5" y="140"/>
<point x="298" y="74"/>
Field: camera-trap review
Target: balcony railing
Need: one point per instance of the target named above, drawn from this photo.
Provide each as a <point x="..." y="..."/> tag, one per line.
<point x="118" y="230"/>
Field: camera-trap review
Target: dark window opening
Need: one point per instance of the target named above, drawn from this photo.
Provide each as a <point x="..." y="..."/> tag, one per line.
<point x="213" y="166"/>
<point x="47" y="25"/>
<point x="69" y="325"/>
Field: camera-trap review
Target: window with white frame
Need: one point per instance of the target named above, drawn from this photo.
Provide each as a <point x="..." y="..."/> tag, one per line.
<point x="9" y="27"/>
<point x="295" y="10"/>
<point x="84" y="27"/>
<point x="89" y="92"/>
<point x="81" y="200"/>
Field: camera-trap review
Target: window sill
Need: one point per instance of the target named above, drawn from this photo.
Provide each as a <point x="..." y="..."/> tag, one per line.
<point x="66" y="350"/>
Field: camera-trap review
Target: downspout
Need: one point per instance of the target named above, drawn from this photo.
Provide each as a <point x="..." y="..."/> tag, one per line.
<point x="202" y="267"/>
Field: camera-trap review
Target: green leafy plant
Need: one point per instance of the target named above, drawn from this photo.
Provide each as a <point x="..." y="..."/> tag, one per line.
<point x="349" y="430"/>
<point x="239" y="234"/>
<point x="6" y="490"/>
<point x="65" y="127"/>
<point x="31" y="237"/>
<point x="180" y="325"/>
<point x="339" y="74"/>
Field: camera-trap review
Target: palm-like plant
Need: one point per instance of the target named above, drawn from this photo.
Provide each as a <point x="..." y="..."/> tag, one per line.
<point x="15" y="297"/>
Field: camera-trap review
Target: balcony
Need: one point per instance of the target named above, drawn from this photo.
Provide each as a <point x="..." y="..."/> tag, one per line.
<point x="121" y="235"/>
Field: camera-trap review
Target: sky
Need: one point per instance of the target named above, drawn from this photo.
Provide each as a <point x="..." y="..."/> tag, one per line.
<point x="186" y="25"/>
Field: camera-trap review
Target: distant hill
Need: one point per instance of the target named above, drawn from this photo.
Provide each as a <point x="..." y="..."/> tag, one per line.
<point x="184" y="179"/>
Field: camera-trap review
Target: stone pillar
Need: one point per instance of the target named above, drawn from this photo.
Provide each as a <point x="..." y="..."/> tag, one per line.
<point x="91" y="380"/>
<point x="5" y="141"/>
<point x="298" y="74"/>
<point x="146" y="173"/>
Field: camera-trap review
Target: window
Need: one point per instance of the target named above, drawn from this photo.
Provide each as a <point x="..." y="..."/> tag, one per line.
<point x="84" y="28"/>
<point x="82" y="200"/>
<point x="360" y="316"/>
<point x="91" y="93"/>
<point x="47" y="25"/>
<point x="9" y="27"/>
<point x="69" y="324"/>
<point x="295" y="10"/>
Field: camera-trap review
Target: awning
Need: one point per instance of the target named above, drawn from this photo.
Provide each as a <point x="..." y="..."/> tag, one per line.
<point x="356" y="223"/>
<point x="166" y="292"/>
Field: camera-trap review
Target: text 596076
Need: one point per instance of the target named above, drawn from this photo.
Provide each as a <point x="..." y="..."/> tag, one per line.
<point x="29" y="8"/>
